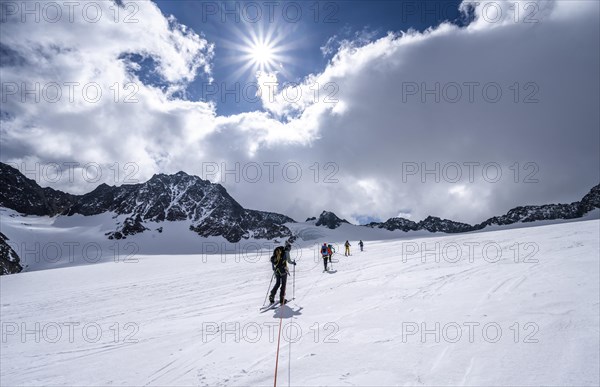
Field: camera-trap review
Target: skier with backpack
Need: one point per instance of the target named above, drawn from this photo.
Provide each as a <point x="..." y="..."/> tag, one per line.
<point x="347" y="245"/>
<point x="361" y="244"/>
<point x="279" y="261"/>
<point x="325" y="255"/>
<point x="330" y="251"/>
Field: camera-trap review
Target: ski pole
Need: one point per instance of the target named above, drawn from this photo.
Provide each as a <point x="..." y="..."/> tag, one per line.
<point x="294" y="283"/>
<point x="269" y="288"/>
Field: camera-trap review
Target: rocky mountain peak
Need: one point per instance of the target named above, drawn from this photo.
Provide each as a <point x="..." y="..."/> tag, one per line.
<point x="208" y="207"/>
<point x="330" y="220"/>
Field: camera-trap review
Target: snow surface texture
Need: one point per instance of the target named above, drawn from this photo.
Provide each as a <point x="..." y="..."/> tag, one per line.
<point x="194" y="319"/>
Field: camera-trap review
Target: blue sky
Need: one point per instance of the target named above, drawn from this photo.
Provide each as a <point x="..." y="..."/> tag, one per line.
<point x="303" y="34"/>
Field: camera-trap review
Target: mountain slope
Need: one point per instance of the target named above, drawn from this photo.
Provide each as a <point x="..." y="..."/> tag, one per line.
<point x="24" y="195"/>
<point x="9" y="259"/>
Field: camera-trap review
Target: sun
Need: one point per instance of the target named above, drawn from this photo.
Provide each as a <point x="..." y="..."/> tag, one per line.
<point x="262" y="55"/>
<point x="256" y="49"/>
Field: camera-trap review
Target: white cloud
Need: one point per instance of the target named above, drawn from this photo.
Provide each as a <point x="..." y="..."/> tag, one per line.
<point x="369" y="135"/>
<point x="329" y="47"/>
<point x="378" y="131"/>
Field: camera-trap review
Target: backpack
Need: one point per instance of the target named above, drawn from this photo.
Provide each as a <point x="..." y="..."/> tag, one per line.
<point x="278" y="262"/>
<point x="324" y="250"/>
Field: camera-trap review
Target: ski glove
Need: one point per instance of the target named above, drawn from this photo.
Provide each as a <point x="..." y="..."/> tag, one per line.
<point x="294" y="263"/>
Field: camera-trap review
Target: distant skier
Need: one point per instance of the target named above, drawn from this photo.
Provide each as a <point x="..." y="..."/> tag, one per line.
<point x="347" y="245"/>
<point x="279" y="261"/>
<point x="330" y="251"/>
<point x="325" y="255"/>
<point x="361" y="244"/>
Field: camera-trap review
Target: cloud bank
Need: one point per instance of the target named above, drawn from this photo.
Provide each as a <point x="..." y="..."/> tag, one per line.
<point x="462" y="123"/>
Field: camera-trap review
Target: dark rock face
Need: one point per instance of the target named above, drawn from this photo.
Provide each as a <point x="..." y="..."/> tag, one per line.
<point x="591" y="200"/>
<point x="435" y="224"/>
<point x="431" y="223"/>
<point x="179" y="197"/>
<point x="330" y="220"/>
<point x="9" y="260"/>
<point x="235" y="225"/>
<point x="133" y="226"/>
<point x="532" y="213"/>
<point x="395" y="224"/>
<point x="163" y="197"/>
<point x="27" y="197"/>
<point x="311" y="219"/>
<point x="130" y="226"/>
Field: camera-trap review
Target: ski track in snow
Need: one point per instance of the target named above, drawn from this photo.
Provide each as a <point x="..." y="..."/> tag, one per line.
<point x="351" y="319"/>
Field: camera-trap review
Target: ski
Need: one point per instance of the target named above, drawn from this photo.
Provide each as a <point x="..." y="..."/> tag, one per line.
<point x="269" y="307"/>
<point x="274" y="305"/>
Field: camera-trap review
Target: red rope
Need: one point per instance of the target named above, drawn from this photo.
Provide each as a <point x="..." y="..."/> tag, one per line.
<point x="282" y="295"/>
<point x="277" y="358"/>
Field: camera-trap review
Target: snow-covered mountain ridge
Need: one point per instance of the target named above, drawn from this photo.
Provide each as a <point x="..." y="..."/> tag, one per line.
<point x="521" y="214"/>
<point x="208" y="210"/>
